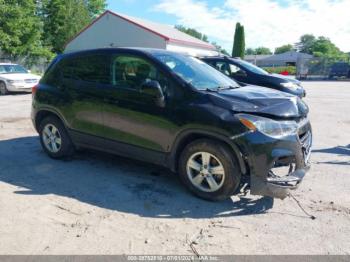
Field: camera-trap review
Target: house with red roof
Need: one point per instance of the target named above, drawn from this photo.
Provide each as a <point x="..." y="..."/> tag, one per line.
<point x="118" y="30"/>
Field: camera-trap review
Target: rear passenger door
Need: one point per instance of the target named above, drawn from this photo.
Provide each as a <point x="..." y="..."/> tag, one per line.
<point x="84" y="78"/>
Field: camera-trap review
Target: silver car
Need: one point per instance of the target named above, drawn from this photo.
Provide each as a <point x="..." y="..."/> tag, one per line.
<point x="15" y="78"/>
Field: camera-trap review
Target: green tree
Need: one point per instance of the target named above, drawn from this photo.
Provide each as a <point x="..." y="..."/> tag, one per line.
<point x="63" y="19"/>
<point x="306" y="43"/>
<point x="323" y="47"/>
<point x="250" y="51"/>
<point x="220" y="49"/>
<point x="192" y="32"/>
<point x="95" y="7"/>
<point x="238" y="42"/>
<point x="263" y="51"/>
<point x="320" y="47"/>
<point x="21" y="29"/>
<point x="284" y="48"/>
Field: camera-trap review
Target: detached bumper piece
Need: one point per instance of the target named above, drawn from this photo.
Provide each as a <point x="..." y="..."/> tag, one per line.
<point x="278" y="186"/>
<point x="290" y="181"/>
<point x="287" y="169"/>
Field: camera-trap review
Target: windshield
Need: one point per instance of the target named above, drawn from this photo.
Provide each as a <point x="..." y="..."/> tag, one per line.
<point x="251" y="67"/>
<point x="12" y="69"/>
<point x="195" y="72"/>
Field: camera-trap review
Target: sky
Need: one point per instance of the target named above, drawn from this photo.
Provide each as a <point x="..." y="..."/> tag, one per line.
<point x="269" y="23"/>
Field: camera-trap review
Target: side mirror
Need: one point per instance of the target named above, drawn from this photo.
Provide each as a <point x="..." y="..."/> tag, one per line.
<point x="153" y="89"/>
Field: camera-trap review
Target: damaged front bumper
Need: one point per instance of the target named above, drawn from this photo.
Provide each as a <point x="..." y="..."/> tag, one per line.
<point x="276" y="165"/>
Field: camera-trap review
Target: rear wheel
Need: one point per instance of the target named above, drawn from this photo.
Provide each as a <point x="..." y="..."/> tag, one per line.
<point x="209" y="170"/>
<point x="3" y="89"/>
<point x="54" y="138"/>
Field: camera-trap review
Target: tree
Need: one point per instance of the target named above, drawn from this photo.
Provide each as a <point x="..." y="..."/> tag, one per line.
<point x="284" y="48"/>
<point x="306" y="43"/>
<point x="95" y="7"/>
<point x="250" y="51"/>
<point x="238" y="42"/>
<point x="192" y="32"/>
<point x="263" y="51"/>
<point x="65" y="18"/>
<point x="323" y="47"/>
<point x="320" y="47"/>
<point x="20" y="30"/>
<point x="220" y="49"/>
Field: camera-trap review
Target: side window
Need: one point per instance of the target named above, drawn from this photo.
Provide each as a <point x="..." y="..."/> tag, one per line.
<point x="89" y="68"/>
<point x="223" y="67"/>
<point x="131" y="72"/>
<point x="234" y="69"/>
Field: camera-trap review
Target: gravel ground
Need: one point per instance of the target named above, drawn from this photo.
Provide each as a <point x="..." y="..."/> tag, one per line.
<point x="102" y="204"/>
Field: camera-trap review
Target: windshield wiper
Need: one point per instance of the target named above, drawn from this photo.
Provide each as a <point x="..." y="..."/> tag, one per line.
<point x="212" y="89"/>
<point x="217" y="89"/>
<point x="227" y="87"/>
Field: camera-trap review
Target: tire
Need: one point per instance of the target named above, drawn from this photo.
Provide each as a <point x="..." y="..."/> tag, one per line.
<point x="59" y="137"/>
<point x="221" y="155"/>
<point x="3" y="89"/>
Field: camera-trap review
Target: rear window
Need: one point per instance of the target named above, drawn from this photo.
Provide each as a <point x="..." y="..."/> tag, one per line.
<point x="89" y="68"/>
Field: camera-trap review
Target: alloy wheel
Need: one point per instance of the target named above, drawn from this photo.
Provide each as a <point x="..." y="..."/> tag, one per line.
<point x="52" y="138"/>
<point x="205" y="171"/>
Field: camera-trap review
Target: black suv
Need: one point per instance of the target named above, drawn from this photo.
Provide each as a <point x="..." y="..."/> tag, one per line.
<point x="176" y="111"/>
<point x="248" y="74"/>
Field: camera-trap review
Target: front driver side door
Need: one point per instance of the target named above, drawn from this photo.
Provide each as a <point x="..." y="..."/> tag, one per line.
<point x="133" y="119"/>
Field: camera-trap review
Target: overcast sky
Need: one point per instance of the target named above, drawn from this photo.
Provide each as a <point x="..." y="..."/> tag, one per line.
<point x="269" y="23"/>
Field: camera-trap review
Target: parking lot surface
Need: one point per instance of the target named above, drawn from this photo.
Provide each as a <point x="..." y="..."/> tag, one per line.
<point x="97" y="203"/>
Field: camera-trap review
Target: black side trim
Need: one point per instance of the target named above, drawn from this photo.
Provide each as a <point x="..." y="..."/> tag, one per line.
<point x="110" y="146"/>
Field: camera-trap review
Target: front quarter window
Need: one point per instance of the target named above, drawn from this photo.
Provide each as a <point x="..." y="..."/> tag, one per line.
<point x="195" y="72"/>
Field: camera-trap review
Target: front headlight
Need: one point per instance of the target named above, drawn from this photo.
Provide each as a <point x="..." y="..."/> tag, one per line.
<point x="268" y="126"/>
<point x="290" y="85"/>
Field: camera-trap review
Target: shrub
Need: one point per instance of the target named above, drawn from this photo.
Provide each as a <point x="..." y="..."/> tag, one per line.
<point x="279" y="69"/>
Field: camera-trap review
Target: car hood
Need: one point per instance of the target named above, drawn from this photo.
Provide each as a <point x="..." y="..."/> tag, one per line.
<point x="21" y="76"/>
<point x="287" y="78"/>
<point x="260" y="100"/>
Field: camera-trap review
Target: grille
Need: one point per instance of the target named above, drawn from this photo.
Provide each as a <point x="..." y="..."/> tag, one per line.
<point x="306" y="143"/>
<point x="30" y="81"/>
<point x="305" y="138"/>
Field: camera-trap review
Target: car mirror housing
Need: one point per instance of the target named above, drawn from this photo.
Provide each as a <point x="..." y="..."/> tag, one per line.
<point x="153" y="89"/>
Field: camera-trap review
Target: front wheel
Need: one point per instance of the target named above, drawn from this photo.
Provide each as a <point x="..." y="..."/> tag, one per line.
<point x="209" y="169"/>
<point x="54" y="138"/>
<point x="3" y="89"/>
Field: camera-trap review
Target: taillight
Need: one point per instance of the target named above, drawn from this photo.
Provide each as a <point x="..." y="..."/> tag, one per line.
<point x="34" y="89"/>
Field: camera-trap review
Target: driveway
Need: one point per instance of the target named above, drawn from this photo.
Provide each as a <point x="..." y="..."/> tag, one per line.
<point x="97" y="203"/>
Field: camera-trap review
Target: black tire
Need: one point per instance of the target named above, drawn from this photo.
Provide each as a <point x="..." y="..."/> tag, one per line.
<point x="66" y="148"/>
<point x="3" y="89"/>
<point x="225" y="155"/>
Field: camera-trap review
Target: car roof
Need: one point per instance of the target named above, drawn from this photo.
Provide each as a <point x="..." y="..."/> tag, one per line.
<point x="225" y="57"/>
<point x="151" y="51"/>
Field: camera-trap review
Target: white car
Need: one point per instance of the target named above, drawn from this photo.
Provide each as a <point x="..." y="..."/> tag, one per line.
<point x="15" y="78"/>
